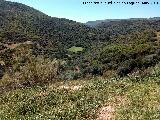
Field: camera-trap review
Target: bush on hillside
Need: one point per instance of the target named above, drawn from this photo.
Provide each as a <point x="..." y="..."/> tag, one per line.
<point x="149" y="60"/>
<point x="123" y="71"/>
<point x="126" y="67"/>
<point x="2" y="70"/>
<point x="70" y="75"/>
<point x="36" y="70"/>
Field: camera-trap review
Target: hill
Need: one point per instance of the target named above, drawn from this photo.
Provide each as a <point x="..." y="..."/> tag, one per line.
<point x="59" y="69"/>
<point x="97" y="22"/>
<point x="116" y="27"/>
<point x="21" y="23"/>
<point x="106" y="21"/>
<point x="29" y="37"/>
<point x="48" y="37"/>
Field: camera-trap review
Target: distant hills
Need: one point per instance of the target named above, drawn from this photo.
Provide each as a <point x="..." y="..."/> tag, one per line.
<point x="114" y="27"/>
<point x="97" y="22"/>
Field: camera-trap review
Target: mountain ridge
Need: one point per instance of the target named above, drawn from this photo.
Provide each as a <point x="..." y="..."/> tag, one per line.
<point x="96" y="22"/>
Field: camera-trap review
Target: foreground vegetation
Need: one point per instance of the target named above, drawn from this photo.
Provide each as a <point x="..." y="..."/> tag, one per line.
<point x="132" y="97"/>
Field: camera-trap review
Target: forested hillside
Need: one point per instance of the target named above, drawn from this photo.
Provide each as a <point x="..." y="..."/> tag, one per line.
<point x="125" y="26"/>
<point x="118" y="47"/>
<point x="21" y="23"/>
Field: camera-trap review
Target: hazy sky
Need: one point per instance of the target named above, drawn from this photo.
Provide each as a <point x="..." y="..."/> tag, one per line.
<point x="77" y="11"/>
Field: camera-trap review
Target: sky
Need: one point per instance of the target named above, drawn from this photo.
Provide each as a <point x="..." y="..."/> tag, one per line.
<point x="77" y="11"/>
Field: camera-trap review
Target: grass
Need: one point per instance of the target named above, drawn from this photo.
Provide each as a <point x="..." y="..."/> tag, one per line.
<point x="51" y="102"/>
<point x="144" y="102"/>
<point x="75" y="49"/>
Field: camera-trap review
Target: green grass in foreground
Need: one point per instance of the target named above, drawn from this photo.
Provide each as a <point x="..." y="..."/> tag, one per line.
<point x="132" y="100"/>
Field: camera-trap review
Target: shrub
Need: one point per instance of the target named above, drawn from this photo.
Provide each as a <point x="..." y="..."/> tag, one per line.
<point x="149" y="60"/>
<point x="2" y="70"/>
<point x="127" y="67"/>
<point x="158" y="52"/>
<point x="36" y="70"/>
<point x="70" y="75"/>
<point x="131" y="64"/>
<point x="153" y="39"/>
<point x="39" y="69"/>
<point x="109" y="74"/>
<point x="94" y="70"/>
<point x="6" y="79"/>
<point x="123" y="71"/>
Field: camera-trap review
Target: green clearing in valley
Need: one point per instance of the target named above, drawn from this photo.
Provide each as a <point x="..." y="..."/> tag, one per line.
<point x="75" y="49"/>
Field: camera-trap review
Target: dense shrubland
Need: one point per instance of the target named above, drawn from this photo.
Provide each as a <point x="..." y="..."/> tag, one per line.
<point x="30" y="39"/>
<point x="59" y="69"/>
<point x="135" y="95"/>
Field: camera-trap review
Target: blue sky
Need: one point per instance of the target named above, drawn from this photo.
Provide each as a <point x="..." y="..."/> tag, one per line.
<point x="75" y="10"/>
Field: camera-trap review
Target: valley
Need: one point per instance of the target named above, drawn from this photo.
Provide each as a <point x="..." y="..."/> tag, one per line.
<point x="60" y="69"/>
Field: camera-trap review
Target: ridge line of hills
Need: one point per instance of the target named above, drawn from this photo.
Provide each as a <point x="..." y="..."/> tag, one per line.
<point x="96" y="22"/>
